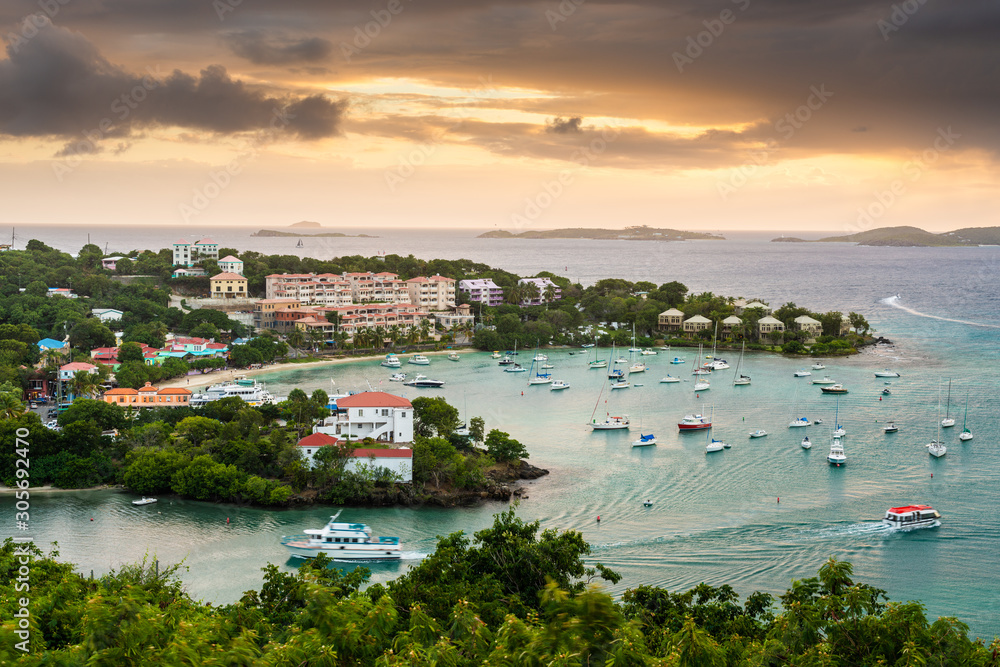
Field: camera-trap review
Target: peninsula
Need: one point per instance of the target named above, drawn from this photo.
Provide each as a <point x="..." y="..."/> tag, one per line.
<point x="636" y="233"/>
<point x="912" y="237"/>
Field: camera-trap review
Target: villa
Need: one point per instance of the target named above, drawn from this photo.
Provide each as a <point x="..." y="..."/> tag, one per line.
<point x="230" y="264"/>
<point x="670" y="320"/>
<point x="769" y="325"/>
<point x="371" y="414"/>
<point x="808" y="325"/>
<point x="189" y="254"/>
<point x="542" y="284"/>
<point x="228" y="286"/>
<point x="696" y="323"/>
<point x="148" y="397"/>
<point x="399" y="461"/>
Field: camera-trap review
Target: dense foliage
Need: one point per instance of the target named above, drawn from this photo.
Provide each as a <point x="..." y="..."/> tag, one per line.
<point x="508" y="596"/>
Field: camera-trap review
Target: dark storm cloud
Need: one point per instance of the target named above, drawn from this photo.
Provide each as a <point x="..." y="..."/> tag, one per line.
<point x="58" y="84"/>
<point x="561" y="125"/>
<point x="255" y="46"/>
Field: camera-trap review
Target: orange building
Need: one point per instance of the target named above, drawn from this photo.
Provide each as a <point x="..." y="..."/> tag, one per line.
<point x="148" y="397"/>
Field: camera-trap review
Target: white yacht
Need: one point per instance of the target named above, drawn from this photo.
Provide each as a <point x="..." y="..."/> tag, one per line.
<point x="806" y="444"/>
<point x="637" y="368"/>
<point x="714" y="446"/>
<point x="251" y="391"/>
<point x="454" y="357"/>
<point x="886" y="373"/>
<point x="541" y="378"/>
<point x="558" y="385"/>
<point x="702" y="385"/>
<point x="818" y="367"/>
<point x="144" y="501"/>
<point x="495" y="355"/>
<point x="648" y="352"/>
<point x="344" y="541"/>
<point x="912" y="517"/>
<point x="890" y="428"/>
<point x="759" y="433"/>
<point x="423" y="381"/>
<point x="799" y="423"/>
<point x="540" y="357"/>
<point x="397" y="377"/>
<point x="644" y="441"/>
<point x="836" y="455"/>
<point x="670" y="379"/>
<point x="419" y="360"/>
<point x="826" y="380"/>
<point x="937" y="449"/>
<point x="716" y="365"/>
<point x="610" y="424"/>
<point x="390" y="361"/>
<point x="620" y="383"/>
<point x="801" y="373"/>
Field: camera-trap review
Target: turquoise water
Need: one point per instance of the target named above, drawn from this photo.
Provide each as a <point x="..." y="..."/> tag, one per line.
<point x="715" y="517"/>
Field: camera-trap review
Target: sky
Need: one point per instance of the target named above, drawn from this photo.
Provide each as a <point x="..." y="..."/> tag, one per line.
<point x="515" y="115"/>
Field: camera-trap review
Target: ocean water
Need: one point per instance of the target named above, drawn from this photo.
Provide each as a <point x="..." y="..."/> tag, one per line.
<point x="715" y="518"/>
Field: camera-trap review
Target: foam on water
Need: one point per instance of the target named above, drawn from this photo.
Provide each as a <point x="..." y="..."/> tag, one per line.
<point x="894" y="302"/>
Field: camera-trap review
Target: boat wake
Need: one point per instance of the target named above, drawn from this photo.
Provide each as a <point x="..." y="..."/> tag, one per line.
<point x="894" y="302"/>
<point x="852" y="530"/>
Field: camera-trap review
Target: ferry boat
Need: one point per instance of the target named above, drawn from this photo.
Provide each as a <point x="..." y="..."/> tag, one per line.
<point x="912" y="517"/>
<point x="251" y="391"/>
<point x="343" y="541"/>
<point x="423" y="381"/>
<point x="390" y="361"/>
<point x="610" y="424"/>
<point x="419" y="360"/>
<point x="694" y="423"/>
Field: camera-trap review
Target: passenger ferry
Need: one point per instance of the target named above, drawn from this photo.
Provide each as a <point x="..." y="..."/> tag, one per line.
<point x="912" y="517"/>
<point x="343" y="541"/>
<point x="251" y="391"/>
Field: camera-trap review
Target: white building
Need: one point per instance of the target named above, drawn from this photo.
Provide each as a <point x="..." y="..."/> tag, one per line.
<point x="67" y="371"/>
<point x="432" y="294"/>
<point x="189" y="254"/>
<point x="399" y="461"/>
<point x="230" y="264"/>
<point x="371" y="414"/>
<point x="542" y="284"/>
<point x="809" y="325"/>
<point x="106" y="314"/>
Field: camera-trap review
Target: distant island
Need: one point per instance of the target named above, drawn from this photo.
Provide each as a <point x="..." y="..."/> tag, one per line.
<point x="275" y="232"/>
<point x="305" y="224"/>
<point x="788" y="239"/>
<point x="638" y="233"/>
<point x="912" y="237"/>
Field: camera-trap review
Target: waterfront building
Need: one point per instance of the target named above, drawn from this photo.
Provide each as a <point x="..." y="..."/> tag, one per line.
<point x="671" y="320"/>
<point x="809" y="325"/>
<point x="729" y="323"/>
<point x="385" y="418"/>
<point x="228" y="286"/>
<point x="265" y="311"/>
<point x="432" y="294"/>
<point x="768" y="325"/>
<point x="399" y="461"/>
<point x="148" y="397"/>
<point x="482" y="290"/>
<point x="542" y="284"/>
<point x="459" y="315"/>
<point x="696" y="323"/>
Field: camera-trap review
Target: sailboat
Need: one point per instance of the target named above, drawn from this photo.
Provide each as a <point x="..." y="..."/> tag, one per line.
<point x="936" y="448"/>
<point x="615" y="373"/>
<point x="299" y="244"/>
<point x="610" y="422"/>
<point x="966" y="434"/>
<point x="644" y="439"/>
<point x="839" y="431"/>
<point x="701" y="383"/>
<point x="638" y="366"/>
<point x="538" y="378"/>
<point x="716" y="364"/>
<point x="738" y="379"/>
<point x="948" y="421"/>
<point x="713" y="444"/>
<point x="596" y="363"/>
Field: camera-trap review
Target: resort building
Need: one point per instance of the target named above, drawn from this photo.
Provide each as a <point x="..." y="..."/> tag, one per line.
<point x="385" y="287"/>
<point x="696" y="323"/>
<point x="189" y="254"/>
<point x="768" y="325"/>
<point x="110" y="263"/>
<point x="106" y="314"/>
<point x="729" y="323"/>
<point x="371" y="414"/>
<point x="544" y="286"/>
<point x="331" y="289"/>
<point x="148" y="397"/>
<point x="432" y="294"/>
<point x="458" y="316"/>
<point x="228" y="286"/>
<point x="483" y="291"/>
<point x="809" y="325"/>
<point x="265" y="311"/>
<point x="670" y="320"/>
<point x="741" y="306"/>
<point x="353" y="318"/>
<point x="399" y="461"/>
<point x="230" y="264"/>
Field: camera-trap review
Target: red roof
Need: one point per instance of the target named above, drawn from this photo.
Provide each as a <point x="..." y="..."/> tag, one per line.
<point x="175" y="390"/>
<point x="230" y="258"/>
<point x="318" y="440"/>
<point x="384" y="453"/>
<point x="228" y="276"/>
<point x="78" y="366"/>
<point x="121" y="391"/>
<point x="909" y="508"/>
<point x="373" y="399"/>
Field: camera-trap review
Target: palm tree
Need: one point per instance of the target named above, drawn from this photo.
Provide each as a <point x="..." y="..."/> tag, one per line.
<point x="530" y="293"/>
<point x="549" y="294"/>
<point x="513" y="294"/>
<point x="425" y="329"/>
<point x="296" y="338"/>
<point x="11" y="406"/>
<point x="84" y="383"/>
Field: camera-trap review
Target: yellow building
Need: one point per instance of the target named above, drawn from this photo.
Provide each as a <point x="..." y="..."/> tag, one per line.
<point x="228" y="286"/>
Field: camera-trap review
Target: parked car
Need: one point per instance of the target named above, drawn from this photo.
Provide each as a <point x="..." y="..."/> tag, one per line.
<point x="52" y="413"/>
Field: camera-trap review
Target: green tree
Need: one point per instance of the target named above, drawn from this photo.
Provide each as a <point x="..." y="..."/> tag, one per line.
<point x="503" y="448"/>
<point x="858" y="323"/>
<point x="106" y="416"/>
<point x="130" y="352"/>
<point x="91" y="333"/>
<point x="477" y="429"/>
<point x="434" y="417"/>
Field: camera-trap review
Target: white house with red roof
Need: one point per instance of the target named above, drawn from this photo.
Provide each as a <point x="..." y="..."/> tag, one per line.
<point x="230" y="264"/>
<point x="399" y="461"/>
<point x="371" y="414"/>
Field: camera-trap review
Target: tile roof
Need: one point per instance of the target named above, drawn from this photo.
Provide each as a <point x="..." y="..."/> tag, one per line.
<point x="318" y="440"/>
<point x="373" y="399"/>
<point x="228" y="276"/>
<point x="383" y="453"/>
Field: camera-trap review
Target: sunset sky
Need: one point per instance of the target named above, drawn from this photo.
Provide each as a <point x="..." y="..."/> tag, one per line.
<point x="746" y="114"/>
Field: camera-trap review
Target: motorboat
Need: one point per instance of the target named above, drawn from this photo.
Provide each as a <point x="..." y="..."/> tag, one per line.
<point x="911" y="517"/>
<point x="558" y="385"/>
<point x="799" y="423"/>
<point x="587" y="345"/>
<point x="144" y="501"/>
<point x="759" y="433"/>
<point x="886" y="392"/>
<point x="677" y="360"/>
<point x="610" y="424"/>
<point x="539" y="357"/>
<point x="714" y="446"/>
<point x="837" y="456"/>
<point x="634" y="349"/>
<point x="648" y="503"/>
<point x="621" y="360"/>
<point x="694" y="423"/>
<point x="644" y="441"/>
<point x="669" y="379"/>
<point x="506" y="361"/>
<point x="423" y="381"/>
<point x="515" y="368"/>
<point x="390" y="361"/>
<point x="801" y="373"/>
<point x="397" y="377"/>
<point x="826" y="380"/>
<point x="818" y="367"/>
<point x="547" y="366"/>
<point x="936" y="448"/>
<point x="702" y="385"/>
<point x="637" y="368"/>
<point x="701" y="371"/>
<point x="454" y="356"/>
<point x="817" y="422"/>
<point x="254" y="393"/>
<point x="343" y="541"/>
<point x="806" y="443"/>
<point x="616" y="374"/>
<point x="496" y="354"/>
<point x="834" y="389"/>
<point x="620" y="384"/>
<point x="886" y="373"/>
<point x="419" y="360"/>
<point x="890" y="428"/>
<point x="716" y="365"/>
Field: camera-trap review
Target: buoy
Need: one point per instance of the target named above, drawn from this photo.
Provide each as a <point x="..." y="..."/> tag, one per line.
<point x="932" y="477"/>
<point x="880" y="398"/>
<point x="227" y="520"/>
<point x="598" y="518"/>
<point x="779" y="499"/>
<point x="91" y="518"/>
<point x="522" y="393"/>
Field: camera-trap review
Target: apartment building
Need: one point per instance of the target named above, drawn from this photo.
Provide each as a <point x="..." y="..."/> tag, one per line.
<point x="543" y="285"/>
<point x="265" y="311"/>
<point x="432" y="294"/>
<point x="483" y="291"/>
<point x="189" y="254"/>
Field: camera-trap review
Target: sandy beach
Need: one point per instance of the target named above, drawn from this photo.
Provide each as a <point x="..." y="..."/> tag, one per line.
<point x="197" y="381"/>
